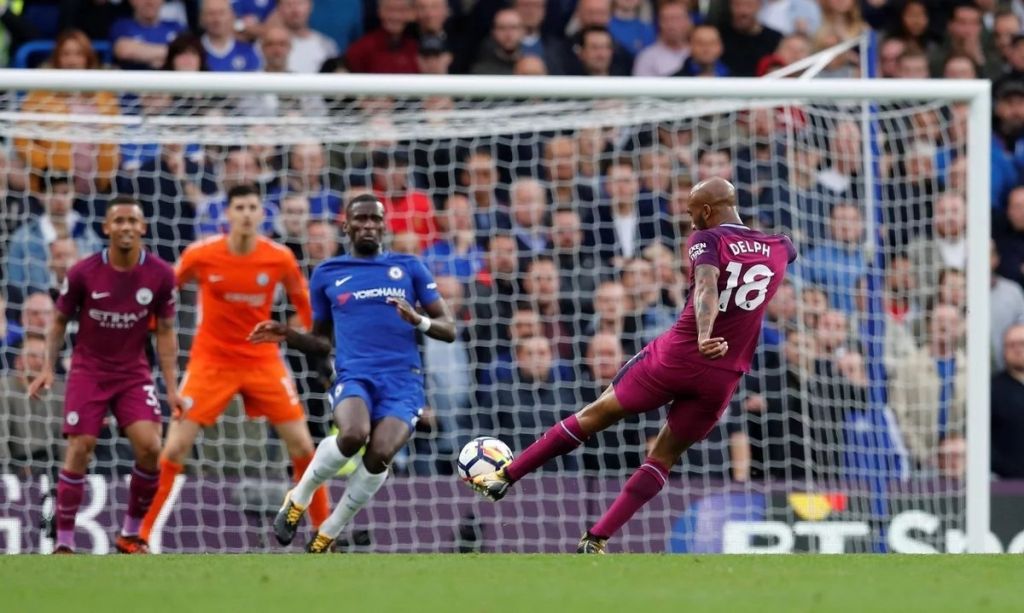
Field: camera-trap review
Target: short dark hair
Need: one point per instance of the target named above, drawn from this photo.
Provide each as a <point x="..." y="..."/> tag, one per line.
<point x="122" y="200"/>
<point x="52" y="179"/>
<point x="361" y="198"/>
<point x="706" y="151"/>
<point x="241" y="191"/>
<point x="587" y="31"/>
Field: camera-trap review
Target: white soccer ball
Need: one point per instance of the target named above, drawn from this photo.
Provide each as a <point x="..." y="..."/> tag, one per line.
<point x="482" y="455"/>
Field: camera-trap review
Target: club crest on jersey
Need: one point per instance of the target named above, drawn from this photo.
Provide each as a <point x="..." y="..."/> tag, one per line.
<point x="697" y="249"/>
<point x="144" y="296"/>
<point x="395" y="273"/>
<point x="72" y="418"/>
<point x="262" y="279"/>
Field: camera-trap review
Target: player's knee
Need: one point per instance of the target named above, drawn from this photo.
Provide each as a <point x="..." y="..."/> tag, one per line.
<point x="79" y="451"/>
<point x="147" y="454"/>
<point x="377" y="460"/>
<point x="352" y="441"/>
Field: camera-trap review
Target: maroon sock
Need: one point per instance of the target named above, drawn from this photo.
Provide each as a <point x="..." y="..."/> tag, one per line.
<point x="141" y="490"/>
<point x="643" y="485"/>
<point x="70" y="491"/>
<point x="560" y="439"/>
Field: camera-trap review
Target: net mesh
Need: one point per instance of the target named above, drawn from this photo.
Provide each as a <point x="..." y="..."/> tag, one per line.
<point x="555" y="230"/>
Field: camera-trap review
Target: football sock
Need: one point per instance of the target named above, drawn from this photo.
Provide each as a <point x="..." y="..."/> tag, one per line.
<point x="559" y="440"/>
<point x="169" y="471"/>
<point x="318" y="507"/>
<point x="362" y="485"/>
<point x="643" y="485"/>
<point x="327" y="461"/>
<point x="141" y="490"/>
<point x="70" y="491"/>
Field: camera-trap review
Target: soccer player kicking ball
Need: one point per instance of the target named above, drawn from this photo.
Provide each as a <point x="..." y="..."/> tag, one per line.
<point x="363" y="303"/>
<point x="238" y="274"/>
<point x="735" y="272"/>
<point x="114" y="294"/>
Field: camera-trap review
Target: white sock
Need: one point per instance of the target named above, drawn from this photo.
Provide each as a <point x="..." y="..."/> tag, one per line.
<point x="327" y="461"/>
<point x="361" y="487"/>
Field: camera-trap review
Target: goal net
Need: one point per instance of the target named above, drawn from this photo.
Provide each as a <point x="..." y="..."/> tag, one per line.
<point x="555" y="223"/>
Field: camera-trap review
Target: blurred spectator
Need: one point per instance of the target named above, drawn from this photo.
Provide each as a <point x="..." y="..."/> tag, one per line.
<point x="952" y="289"/>
<point x="170" y="189"/>
<point x="814" y="301"/>
<point x="577" y="266"/>
<point x="29" y="248"/>
<point x="565" y="188"/>
<point x="610" y="305"/>
<point x="838" y="263"/>
<point x="1015" y="59"/>
<point x="37" y="313"/>
<point x="240" y="168"/>
<point x="840" y="176"/>
<point x="1008" y="408"/>
<point x="250" y="16"/>
<point x="666" y="55"/>
<point x="389" y="48"/>
<point x="409" y="210"/>
<point x="310" y="49"/>
<point x="595" y="53"/>
<point x="843" y="17"/>
<point x="628" y="220"/>
<point x="964" y="37"/>
<point x="225" y="52"/>
<point x="913" y="25"/>
<point x="308" y="173"/>
<point x="832" y="333"/>
<point x="141" y="41"/>
<point x="535" y="400"/>
<point x="530" y="66"/>
<point x="668" y="273"/>
<point x="620" y="447"/>
<point x="529" y="212"/>
<point x="629" y="28"/>
<point x="595" y="14"/>
<point x="63" y="255"/>
<point x="479" y="176"/>
<point x="745" y="40"/>
<point x="503" y="266"/>
<point x="275" y="48"/>
<point x="291" y="225"/>
<point x="959" y="67"/>
<point x="90" y="165"/>
<point x="339" y="20"/>
<point x="186" y="53"/>
<point x="705" y="58"/>
<point x="890" y="53"/>
<point x="1005" y="27"/>
<point x="780" y="315"/>
<point x="1007" y="147"/>
<point x="322" y="243"/>
<point x="541" y="288"/>
<point x="536" y="41"/>
<point x="1007" y="308"/>
<point x="11" y="335"/>
<point x="407" y="243"/>
<point x="646" y="315"/>
<point x="947" y="248"/>
<point x="455" y="253"/>
<point x="791" y="16"/>
<point x="791" y="49"/>
<point x="498" y="53"/>
<point x="928" y="389"/>
<point x="1010" y="237"/>
<point x="30" y="428"/>
<point x="433" y="56"/>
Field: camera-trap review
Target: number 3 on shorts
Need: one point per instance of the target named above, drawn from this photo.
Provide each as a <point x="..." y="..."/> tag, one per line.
<point x="151" y="400"/>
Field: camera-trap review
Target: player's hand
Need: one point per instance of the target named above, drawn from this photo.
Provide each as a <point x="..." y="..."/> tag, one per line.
<point x="714" y="348"/>
<point x="754" y="403"/>
<point x="268" y="332"/>
<point x="41" y="383"/>
<point x="178" y="404"/>
<point x="405" y="310"/>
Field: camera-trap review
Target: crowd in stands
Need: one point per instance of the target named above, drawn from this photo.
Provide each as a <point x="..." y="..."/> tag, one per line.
<point x="562" y="253"/>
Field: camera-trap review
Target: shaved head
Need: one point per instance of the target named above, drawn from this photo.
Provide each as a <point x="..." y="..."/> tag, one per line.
<point x="713" y="202"/>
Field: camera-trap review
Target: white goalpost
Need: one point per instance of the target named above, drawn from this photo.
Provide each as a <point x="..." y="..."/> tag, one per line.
<point x="821" y="446"/>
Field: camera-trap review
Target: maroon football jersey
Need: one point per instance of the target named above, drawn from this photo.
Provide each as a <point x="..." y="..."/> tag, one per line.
<point x="751" y="267"/>
<point x="114" y="310"/>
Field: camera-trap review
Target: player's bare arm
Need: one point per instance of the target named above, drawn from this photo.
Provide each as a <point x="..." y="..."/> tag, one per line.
<point x="317" y="342"/>
<point x="705" y="306"/>
<point x="438" y="322"/>
<point x="54" y="342"/>
<point x="167" y="355"/>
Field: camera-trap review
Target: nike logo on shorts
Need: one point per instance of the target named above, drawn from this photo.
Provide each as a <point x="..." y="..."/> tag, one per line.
<point x="341" y="282"/>
<point x="98" y="295"/>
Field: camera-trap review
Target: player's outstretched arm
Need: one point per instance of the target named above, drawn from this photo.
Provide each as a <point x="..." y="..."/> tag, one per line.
<point x="54" y="342"/>
<point x="438" y="322"/>
<point x="167" y="355"/>
<point x="705" y="306"/>
<point x="318" y="342"/>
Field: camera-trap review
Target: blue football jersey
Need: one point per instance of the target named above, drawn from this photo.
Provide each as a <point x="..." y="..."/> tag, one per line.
<point x="161" y="33"/>
<point x="241" y="57"/>
<point x="369" y="334"/>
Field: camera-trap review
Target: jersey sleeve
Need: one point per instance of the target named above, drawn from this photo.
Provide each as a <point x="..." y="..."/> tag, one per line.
<point x="72" y="293"/>
<point x="167" y="299"/>
<point x="297" y="289"/>
<point x="790" y="249"/>
<point x="185" y="269"/>
<point x="703" y="249"/>
<point x="423" y="283"/>
<point x="321" y="305"/>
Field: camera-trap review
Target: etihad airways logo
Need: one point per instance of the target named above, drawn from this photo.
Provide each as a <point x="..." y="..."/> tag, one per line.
<point x="113" y="320"/>
<point x="376" y="292"/>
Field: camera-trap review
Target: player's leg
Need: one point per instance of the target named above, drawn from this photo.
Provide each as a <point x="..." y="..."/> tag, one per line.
<point x="634" y="390"/>
<point x="206" y="391"/>
<point x="299" y="443"/>
<point x="144" y="436"/>
<point x="71" y="488"/>
<point x="643" y="484"/>
<point x="352" y="415"/>
<point x="389" y="436"/>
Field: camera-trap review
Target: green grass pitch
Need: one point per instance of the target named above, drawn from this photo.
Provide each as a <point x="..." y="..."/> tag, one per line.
<point x="510" y="583"/>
